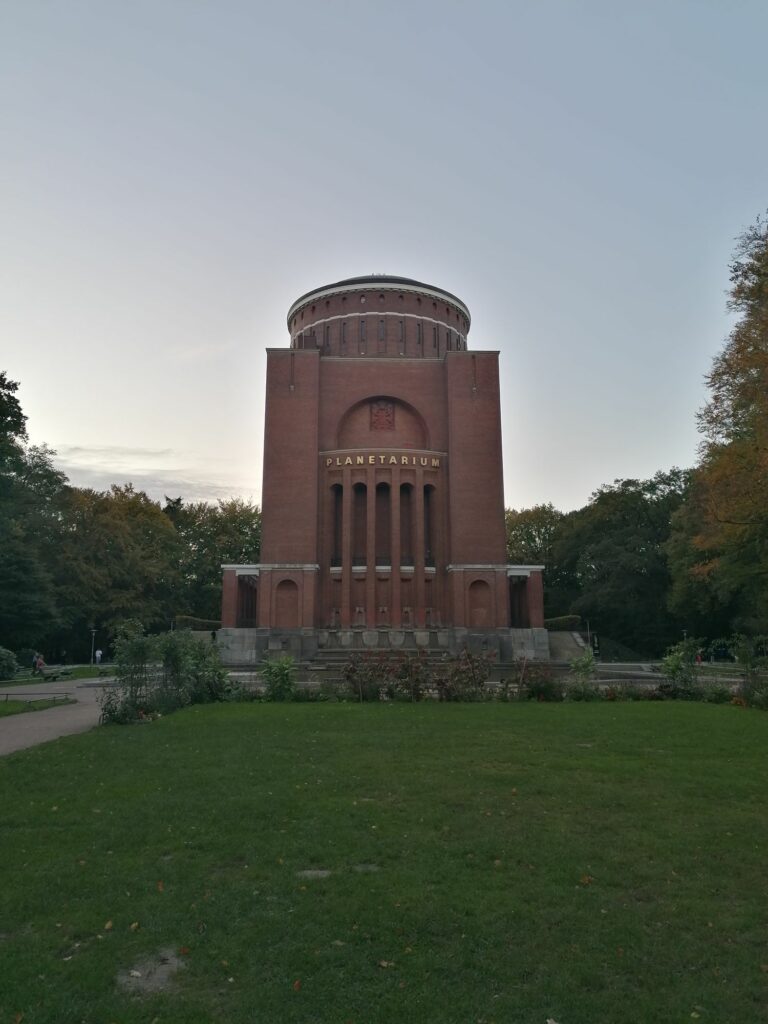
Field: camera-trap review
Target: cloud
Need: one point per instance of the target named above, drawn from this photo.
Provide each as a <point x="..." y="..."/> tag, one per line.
<point x="100" y="466"/>
<point x="102" y="453"/>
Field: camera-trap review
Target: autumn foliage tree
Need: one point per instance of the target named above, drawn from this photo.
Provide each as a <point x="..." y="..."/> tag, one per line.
<point x="719" y="549"/>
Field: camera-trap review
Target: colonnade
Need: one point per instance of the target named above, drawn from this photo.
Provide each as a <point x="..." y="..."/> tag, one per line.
<point x="381" y="540"/>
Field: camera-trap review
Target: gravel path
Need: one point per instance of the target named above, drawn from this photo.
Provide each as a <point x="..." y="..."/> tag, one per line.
<point x="17" y="732"/>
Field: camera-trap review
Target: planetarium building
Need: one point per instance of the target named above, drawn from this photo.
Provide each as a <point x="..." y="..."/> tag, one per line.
<point x="382" y="501"/>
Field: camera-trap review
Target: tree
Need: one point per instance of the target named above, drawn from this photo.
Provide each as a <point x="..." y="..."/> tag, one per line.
<point x="532" y="535"/>
<point x="13" y="425"/>
<point x="29" y="487"/>
<point x="614" y="552"/>
<point x="210" y="535"/>
<point x="116" y="558"/>
<point x="720" y="547"/>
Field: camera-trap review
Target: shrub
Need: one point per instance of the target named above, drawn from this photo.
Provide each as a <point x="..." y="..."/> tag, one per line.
<point x="464" y="677"/>
<point x="8" y="665"/>
<point x="583" y="668"/>
<point x="679" y="668"/>
<point x="410" y="677"/>
<point x="564" y="623"/>
<point x="279" y="676"/>
<point x="579" y="691"/>
<point x="366" y="675"/>
<point x="239" y="693"/>
<point x="715" y="694"/>
<point x="159" y="674"/>
<point x="544" y="688"/>
<point x="758" y="697"/>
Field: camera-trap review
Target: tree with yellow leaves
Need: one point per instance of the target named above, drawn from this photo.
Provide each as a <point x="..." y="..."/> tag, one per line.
<point x="719" y="550"/>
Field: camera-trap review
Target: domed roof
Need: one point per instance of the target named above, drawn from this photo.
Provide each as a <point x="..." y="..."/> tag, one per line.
<point x="372" y="282"/>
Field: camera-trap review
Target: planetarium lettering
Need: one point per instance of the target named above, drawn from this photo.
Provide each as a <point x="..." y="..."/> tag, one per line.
<point x="387" y="459"/>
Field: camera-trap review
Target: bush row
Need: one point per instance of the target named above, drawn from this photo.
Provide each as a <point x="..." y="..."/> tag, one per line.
<point x="159" y="674"/>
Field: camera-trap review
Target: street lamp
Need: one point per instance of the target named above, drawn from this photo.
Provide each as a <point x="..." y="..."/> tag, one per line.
<point x="93" y="641"/>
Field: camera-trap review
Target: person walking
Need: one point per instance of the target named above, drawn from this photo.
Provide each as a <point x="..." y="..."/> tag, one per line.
<point x="98" y="656"/>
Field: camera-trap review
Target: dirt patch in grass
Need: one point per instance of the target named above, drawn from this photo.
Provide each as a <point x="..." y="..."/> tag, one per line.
<point x="155" y="974"/>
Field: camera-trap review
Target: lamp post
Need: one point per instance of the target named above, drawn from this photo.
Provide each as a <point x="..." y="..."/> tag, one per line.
<point x="93" y="641"/>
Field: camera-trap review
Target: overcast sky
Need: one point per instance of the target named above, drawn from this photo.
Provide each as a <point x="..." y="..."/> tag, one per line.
<point x="176" y="172"/>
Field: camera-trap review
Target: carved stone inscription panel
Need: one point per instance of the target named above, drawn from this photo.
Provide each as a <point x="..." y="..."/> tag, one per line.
<point x="382" y="415"/>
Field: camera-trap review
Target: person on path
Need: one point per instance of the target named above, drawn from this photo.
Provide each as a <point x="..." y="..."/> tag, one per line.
<point x="40" y="664"/>
<point x="98" y="656"/>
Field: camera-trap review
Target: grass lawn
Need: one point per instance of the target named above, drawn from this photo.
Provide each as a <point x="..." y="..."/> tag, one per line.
<point x="20" y="707"/>
<point x="588" y="863"/>
<point x="74" y="672"/>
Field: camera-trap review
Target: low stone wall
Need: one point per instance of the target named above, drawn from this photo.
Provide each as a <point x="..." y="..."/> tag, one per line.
<point x="248" y="647"/>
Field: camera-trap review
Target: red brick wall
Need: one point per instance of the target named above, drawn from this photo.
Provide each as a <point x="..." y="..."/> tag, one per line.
<point x="474" y="442"/>
<point x="446" y="402"/>
<point x="289" y="494"/>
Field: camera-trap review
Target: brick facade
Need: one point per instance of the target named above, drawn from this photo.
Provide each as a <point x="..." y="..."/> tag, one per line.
<point x="382" y="501"/>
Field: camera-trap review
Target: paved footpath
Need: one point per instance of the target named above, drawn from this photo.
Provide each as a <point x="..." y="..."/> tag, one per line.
<point x="17" y="732"/>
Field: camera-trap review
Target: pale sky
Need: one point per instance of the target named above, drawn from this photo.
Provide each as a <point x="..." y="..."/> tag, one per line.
<point x="174" y="173"/>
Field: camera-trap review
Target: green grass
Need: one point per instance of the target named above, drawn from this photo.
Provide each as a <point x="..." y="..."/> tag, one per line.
<point x="20" y="707"/>
<point x="593" y="864"/>
<point x="74" y="672"/>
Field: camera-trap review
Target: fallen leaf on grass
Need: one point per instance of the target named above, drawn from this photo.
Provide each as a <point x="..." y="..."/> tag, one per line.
<point x="18" y="1018"/>
<point x="297" y="986"/>
<point x="586" y="880"/>
<point x="386" y="963"/>
<point x="108" y="926"/>
<point x="160" y="886"/>
<point x="135" y="926"/>
<point x="184" y="950"/>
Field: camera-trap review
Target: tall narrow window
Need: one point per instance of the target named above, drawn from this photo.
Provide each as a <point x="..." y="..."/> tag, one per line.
<point x="359" y="523"/>
<point x="344" y="337"/>
<point x="406" y="517"/>
<point x="382" y="337"/>
<point x="419" y="338"/>
<point x="338" y="506"/>
<point x="429" y="556"/>
<point x="383" y="531"/>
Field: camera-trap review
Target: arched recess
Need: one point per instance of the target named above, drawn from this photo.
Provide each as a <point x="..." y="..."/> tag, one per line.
<point x="286" y="605"/>
<point x="480" y="606"/>
<point x="381" y="421"/>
